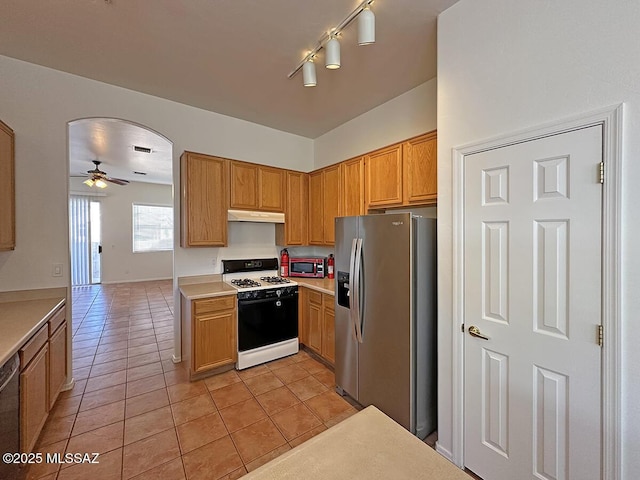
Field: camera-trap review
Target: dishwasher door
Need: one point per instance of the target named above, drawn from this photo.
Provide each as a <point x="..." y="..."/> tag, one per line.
<point x="10" y="415"/>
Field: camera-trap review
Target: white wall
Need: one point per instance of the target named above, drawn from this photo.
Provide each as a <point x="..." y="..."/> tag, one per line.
<point x="505" y="66"/>
<point x="118" y="262"/>
<point x="407" y="115"/>
<point x="38" y="102"/>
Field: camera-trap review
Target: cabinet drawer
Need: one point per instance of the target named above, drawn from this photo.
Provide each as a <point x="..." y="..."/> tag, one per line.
<point x="33" y="346"/>
<point x="329" y="301"/>
<point x="315" y="297"/>
<point x="57" y="319"/>
<point x="214" y="304"/>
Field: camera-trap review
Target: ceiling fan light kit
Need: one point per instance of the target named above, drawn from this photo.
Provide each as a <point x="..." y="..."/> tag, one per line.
<point x="99" y="178"/>
<point x="331" y="44"/>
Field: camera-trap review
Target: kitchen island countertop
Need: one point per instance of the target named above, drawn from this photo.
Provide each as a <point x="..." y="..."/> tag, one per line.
<point x="368" y="445"/>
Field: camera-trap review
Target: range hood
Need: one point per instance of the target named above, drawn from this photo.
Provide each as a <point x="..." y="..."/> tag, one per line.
<point x="249" y="216"/>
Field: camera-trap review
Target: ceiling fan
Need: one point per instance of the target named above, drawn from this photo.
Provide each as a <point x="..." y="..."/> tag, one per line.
<point x="99" y="178"/>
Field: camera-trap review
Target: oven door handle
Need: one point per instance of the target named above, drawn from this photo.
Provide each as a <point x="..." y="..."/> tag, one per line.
<point x="265" y="300"/>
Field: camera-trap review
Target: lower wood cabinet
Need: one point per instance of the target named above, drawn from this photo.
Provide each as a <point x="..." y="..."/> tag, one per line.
<point x="328" y="329"/>
<point x="57" y="363"/>
<point x="43" y="373"/>
<point x="318" y="323"/>
<point x="210" y="333"/>
<point x="34" y="402"/>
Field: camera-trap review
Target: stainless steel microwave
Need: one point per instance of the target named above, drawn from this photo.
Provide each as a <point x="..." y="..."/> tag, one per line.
<point x="312" y="267"/>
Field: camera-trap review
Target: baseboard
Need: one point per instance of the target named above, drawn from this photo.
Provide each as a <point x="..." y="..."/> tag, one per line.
<point x="68" y="386"/>
<point x="444" y="452"/>
<point x="136" y="280"/>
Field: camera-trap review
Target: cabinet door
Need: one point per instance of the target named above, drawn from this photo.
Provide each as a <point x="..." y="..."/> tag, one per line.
<point x="352" y="183"/>
<point x="316" y="217"/>
<point x="271" y="189"/>
<point x="331" y="202"/>
<point x="57" y="362"/>
<point x="383" y="171"/>
<point x="244" y="186"/>
<point x="420" y="175"/>
<point x="7" y="189"/>
<point x="328" y="329"/>
<point x="296" y="210"/>
<point x="204" y="182"/>
<point x="34" y="404"/>
<point x="214" y="340"/>
<point x="303" y="316"/>
<point x="314" y="332"/>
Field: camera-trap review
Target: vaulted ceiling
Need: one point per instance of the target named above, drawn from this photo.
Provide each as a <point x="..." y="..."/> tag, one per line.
<point x="231" y="56"/>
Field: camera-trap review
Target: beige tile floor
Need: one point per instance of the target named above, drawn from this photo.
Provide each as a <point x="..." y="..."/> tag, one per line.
<point x="136" y="408"/>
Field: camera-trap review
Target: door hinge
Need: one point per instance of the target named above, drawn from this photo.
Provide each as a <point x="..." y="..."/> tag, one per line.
<point x="462" y="328"/>
<point x="601" y="172"/>
<point x="600" y="335"/>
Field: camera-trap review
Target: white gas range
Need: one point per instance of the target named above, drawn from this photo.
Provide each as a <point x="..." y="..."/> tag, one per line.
<point x="267" y="310"/>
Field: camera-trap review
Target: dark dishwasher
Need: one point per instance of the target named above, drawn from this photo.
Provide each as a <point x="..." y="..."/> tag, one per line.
<point x="10" y="415"/>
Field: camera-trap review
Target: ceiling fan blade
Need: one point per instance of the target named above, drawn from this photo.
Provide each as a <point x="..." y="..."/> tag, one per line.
<point x="117" y="181"/>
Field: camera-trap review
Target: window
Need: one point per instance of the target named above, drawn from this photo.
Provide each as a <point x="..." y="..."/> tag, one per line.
<point x="152" y="228"/>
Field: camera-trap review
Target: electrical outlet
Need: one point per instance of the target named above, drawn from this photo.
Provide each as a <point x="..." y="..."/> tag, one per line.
<point x="56" y="271"/>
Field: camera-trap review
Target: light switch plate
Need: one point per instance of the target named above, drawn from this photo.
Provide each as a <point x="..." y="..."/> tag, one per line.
<point x="56" y="270"/>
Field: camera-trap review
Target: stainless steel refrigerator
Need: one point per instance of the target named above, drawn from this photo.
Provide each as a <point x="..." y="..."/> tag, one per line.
<point x="386" y="316"/>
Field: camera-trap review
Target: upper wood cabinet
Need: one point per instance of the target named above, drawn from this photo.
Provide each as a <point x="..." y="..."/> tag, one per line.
<point x="420" y="174"/>
<point x="256" y="187"/>
<point x="383" y="173"/>
<point x="403" y="174"/>
<point x="204" y="200"/>
<point x="352" y="186"/>
<point x="331" y="202"/>
<point x="7" y="189"/>
<point x="324" y="204"/>
<point x="295" y="229"/>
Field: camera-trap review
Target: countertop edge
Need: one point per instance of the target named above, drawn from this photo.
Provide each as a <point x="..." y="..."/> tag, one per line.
<point x="314" y="286"/>
<point x="206" y="290"/>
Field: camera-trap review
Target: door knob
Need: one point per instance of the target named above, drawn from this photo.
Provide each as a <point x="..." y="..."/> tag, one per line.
<point x="475" y="332"/>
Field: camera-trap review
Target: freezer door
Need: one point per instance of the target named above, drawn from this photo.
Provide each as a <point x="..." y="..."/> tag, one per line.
<point x="386" y="354"/>
<point x="346" y="355"/>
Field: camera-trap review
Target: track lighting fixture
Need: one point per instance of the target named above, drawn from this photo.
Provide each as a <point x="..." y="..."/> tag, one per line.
<point x="309" y="73"/>
<point x="366" y="27"/>
<point x="331" y="44"/>
<point x="332" y="56"/>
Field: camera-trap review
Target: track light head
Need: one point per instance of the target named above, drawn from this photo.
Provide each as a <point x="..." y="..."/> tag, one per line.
<point x="309" y="73"/>
<point x="332" y="59"/>
<point x="366" y="27"/>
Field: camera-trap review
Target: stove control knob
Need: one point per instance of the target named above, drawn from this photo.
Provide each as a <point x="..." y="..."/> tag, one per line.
<point x="278" y="293"/>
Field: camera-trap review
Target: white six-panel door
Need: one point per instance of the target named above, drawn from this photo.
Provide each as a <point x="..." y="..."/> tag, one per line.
<point x="532" y="269"/>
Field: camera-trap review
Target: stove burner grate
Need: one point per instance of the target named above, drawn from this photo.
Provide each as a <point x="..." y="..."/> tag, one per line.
<point x="245" y="283"/>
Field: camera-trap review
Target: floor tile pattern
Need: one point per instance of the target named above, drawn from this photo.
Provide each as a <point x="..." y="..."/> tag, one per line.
<point x="135" y="407"/>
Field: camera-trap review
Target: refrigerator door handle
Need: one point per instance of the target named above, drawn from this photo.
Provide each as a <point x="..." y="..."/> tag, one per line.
<point x="358" y="290"/>
<point x="353" y="296"/>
